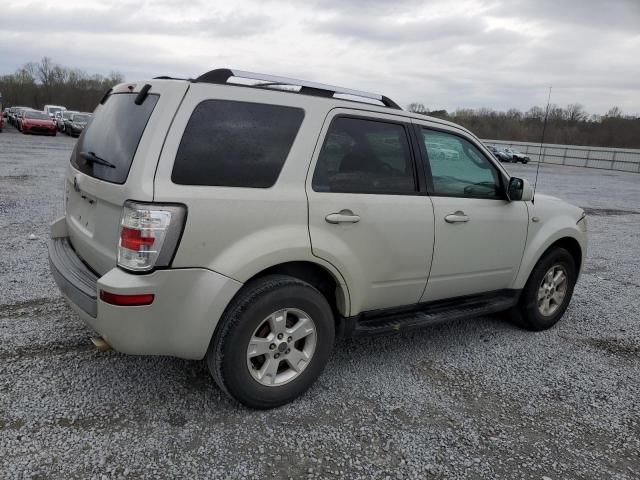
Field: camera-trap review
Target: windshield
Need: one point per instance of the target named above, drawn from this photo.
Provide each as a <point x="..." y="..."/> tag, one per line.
<point x="81" y="118"/>
<point x="67" y="115"/>
<point x="36" y="115"/>
<point x="55" y="109"/>
<point x="113" y="135"/>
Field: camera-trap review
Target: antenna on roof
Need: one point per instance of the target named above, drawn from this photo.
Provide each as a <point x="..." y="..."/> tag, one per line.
<point x="544" y="127"/>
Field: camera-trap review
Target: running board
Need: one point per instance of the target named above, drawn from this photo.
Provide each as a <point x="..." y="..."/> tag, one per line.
<point x="415" y="316"/>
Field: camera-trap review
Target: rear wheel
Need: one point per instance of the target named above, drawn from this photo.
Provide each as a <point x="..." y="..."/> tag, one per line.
<point x="548" y="291"/>
<point x="272" y="342"/>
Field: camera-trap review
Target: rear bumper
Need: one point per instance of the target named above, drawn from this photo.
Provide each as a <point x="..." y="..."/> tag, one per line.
<point x="180" y="322"/>
<point x="74" y="279"/>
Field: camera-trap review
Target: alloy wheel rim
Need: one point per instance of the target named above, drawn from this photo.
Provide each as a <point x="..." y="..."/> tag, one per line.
<point x="552" y="290"/>
<point x="281" y="347"/>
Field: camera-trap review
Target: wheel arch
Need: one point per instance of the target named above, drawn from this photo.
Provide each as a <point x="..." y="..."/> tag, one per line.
<point x="565" y="239"/>
<point x="572" y="246"/>
<point x="327" y="282"/>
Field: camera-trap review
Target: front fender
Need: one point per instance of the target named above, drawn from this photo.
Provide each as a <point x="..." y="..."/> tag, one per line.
<point x="550" y="228"/>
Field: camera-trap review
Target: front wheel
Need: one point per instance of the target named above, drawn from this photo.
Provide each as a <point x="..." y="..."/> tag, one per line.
<point x="272" y="342"/>
<point x="548" y="291"/>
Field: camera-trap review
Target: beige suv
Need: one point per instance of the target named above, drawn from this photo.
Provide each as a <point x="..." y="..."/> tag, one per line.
<point x="251" y="219"/>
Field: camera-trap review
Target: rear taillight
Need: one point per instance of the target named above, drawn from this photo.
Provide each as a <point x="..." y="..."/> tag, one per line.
<point x="149" y="235"/>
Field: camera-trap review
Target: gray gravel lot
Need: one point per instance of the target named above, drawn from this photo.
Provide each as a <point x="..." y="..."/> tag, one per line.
<point x="474" y="399"/>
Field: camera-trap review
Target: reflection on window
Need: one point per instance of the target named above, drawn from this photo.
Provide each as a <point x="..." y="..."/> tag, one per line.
<point x="458" y="168"/>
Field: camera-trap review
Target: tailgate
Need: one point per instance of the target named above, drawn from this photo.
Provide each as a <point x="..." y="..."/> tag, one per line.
<point x="115" y="160"/>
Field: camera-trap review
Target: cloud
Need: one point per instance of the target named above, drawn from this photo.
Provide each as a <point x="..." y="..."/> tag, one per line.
<point x="444" y="53"/>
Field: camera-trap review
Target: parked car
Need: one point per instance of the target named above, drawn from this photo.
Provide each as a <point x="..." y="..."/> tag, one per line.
<point x="499" y="154"/>
<point x="51" y="110"/>
<point x="75" y="124"/>
<point x="13" y="115"/>
<point x="33" y="121"/>
<point x="516" y="156"/>
<point x="62" y="117"/>
<point x="443" y="152"/>
<point x="5" y="112"/>
<point x="266" y="222"/>
<point x="10" y="115"/>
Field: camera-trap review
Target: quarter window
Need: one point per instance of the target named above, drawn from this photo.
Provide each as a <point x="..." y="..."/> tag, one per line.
<point x="365" y="156"/>
<point x="459" y="169"/>
<point x="235" y="144"/>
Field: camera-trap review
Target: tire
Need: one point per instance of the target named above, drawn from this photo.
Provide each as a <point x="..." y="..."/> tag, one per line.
<point x="256" y="306"/>
<point x="529" y="311"/>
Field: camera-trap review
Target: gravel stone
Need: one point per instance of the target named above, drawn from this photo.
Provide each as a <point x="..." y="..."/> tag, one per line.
<point x="467" y="399"/>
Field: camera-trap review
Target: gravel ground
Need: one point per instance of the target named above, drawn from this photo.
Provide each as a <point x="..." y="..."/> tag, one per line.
<point x="473" y="399"/>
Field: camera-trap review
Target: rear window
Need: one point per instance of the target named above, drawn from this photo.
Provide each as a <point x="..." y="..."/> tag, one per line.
<point x="113" y="135"/>
<point x="235" y="144"/>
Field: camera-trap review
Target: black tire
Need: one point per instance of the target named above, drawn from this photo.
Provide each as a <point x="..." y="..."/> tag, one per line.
<point x="227" y="354"/>
<point x="527" y="314"/>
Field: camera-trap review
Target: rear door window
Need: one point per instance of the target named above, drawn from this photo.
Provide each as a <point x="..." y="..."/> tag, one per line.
<point x="235" y="144"/>
<point x="365" y="156"/>
<point x="113" y="135"/>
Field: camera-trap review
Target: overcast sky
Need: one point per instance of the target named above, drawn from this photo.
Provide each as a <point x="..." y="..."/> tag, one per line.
<point x="446" y="54"/>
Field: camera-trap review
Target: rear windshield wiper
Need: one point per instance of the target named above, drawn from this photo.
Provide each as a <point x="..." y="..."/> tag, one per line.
<point x="93" y="158"/>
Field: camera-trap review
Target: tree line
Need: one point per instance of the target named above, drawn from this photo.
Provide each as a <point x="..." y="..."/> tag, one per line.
<point x="37" y="84"/>
<point x="569" y="126"/>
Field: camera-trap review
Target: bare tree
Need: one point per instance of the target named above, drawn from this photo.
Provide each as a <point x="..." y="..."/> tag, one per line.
<point x="614" y="112"/>
<point x="535" y="113"/>
<point x="36" y="84"/>
<point x="417" y="108"/>
<point x="575" y="113"/>
<point x="572" y="126"/>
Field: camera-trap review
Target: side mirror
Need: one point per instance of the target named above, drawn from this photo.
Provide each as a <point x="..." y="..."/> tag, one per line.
<point x="519" y="190"/>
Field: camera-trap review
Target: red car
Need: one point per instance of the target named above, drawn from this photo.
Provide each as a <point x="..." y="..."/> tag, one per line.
<point x="34" y="121"/>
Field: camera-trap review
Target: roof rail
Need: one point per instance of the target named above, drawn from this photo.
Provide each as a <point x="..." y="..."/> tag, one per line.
<point x="222" y="76"/>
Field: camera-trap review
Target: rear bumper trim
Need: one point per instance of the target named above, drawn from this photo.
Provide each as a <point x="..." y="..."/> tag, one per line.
<point x="73" y="277"/>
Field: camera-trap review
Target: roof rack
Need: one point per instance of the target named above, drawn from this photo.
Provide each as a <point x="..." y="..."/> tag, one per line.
<point x="222" y="76"/>
<point x="167" y="77"/>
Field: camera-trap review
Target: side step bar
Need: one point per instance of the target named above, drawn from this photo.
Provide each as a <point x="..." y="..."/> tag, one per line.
<point x="392" y="320"/>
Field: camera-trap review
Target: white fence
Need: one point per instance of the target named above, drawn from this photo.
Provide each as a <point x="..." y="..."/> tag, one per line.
<point x="591" y="157"/>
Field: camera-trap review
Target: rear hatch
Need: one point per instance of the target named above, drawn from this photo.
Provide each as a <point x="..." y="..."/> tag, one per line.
<point x="115" y="160"/>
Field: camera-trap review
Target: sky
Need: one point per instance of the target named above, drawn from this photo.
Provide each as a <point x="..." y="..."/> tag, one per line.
<point x="448" y="54"/>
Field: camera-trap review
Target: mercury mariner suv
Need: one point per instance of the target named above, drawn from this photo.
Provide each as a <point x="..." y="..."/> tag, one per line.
<point x="250" y="220"/>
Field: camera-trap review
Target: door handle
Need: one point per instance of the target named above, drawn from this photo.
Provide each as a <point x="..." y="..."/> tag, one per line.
<point x="456" y="217"/>
<point x="344" y="216"/>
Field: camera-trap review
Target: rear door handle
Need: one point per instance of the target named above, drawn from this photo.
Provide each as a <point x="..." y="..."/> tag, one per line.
<point x="344" y="216"/>
<point x="456" y="217"/>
